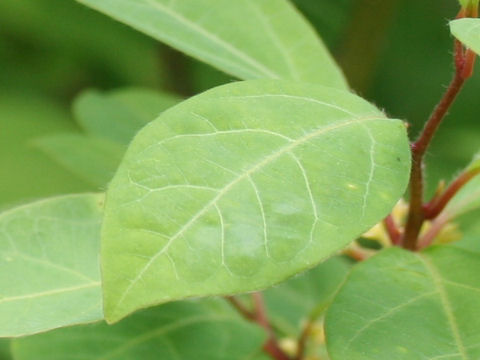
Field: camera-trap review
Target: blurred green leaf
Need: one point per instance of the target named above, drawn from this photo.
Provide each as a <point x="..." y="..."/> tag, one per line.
<point x="207" y="330"/>
<point x="112" y="118"/>
<point x="118" y="115"/>
<point x="191" y="213"/>
<point x="93" y="159"/>
<point x="26" y="173"/>
<point x="402" y="305"/>
<point x="76" y="47"/>
<point x="246" y="38"/>
<point x="49" y="265"/>
<point x="307" y="295"/>
<point x="468" y="32"/>
<point x="5" y="349"/>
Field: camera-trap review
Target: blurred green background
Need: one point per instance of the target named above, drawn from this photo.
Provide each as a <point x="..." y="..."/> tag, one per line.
<point x="396" y="53"/>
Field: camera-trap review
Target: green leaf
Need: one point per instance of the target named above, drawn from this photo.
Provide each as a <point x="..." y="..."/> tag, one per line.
<point x="293" y="302"/>
<point x="403" y="305"/>
<point x="120" y="114"/>
<point x="246" y="38"/>
<point x="92" y="159"/>
<point x="49" y="266"/>
<point x="26" y="173"/>
<point x="468" y="32"/>
<point x="243" y="186"/>
<point x="207" y="330"/>
<point x="5" y="349"/>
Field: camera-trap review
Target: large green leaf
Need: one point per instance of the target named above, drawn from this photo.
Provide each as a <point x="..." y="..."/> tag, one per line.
<point x="119" y="114"/>
<point x="207" y="330"/>
<point x="49" y="266"/>
<point x="92" y="159"/>
<point x="402" y="305"/>
<point x="468" y="32"/>
<point x="246" y="38"/>
<point x="243" y="186"/>
<point x="306" y="296"/>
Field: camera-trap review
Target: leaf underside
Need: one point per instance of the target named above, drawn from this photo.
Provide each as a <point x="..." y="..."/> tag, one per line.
<point x="401" y="305"/>
<point x="249" y="39"/>
<point x="243" y="186"/>
<point x="49" y="266"/>
<point x="179" y="331"/>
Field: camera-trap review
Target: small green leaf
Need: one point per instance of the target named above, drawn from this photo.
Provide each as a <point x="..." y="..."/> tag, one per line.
<point x="207" y="330"/>
<point x="402" y="305"/>
<point x="246" y="38"/>
<point x="293" y="302"/>
<point x="93" y="159"/>
<point x="49" y="266"/>
<point x="468" y="32"/>
<point x="118" y="115"/>
<point x="243" y="186"/>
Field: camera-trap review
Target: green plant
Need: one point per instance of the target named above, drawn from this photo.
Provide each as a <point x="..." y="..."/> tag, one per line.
<point x="235" y="190"/>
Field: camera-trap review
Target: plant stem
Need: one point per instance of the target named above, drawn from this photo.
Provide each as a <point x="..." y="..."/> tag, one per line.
<point x="393" y="231"/>
<point x="437" y="226"/>
<point x="240" y="308"/>
<point x="259" y="316"/>
<point x="416" y="215"/>
<point x="436" y="206"/>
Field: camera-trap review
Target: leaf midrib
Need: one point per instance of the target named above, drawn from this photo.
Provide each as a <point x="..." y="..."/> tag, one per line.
<point x="50" y="292"/>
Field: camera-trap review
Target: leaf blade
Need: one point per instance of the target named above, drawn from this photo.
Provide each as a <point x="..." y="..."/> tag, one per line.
<point x="392" y="291"/>
<point x="260" y="208"/>
<point x="49" y="263"/>
<point x="93" y="159"/>
<point x="468" y="32"/>
<point x="210" y="329"/>
<point x="203" y="29"/>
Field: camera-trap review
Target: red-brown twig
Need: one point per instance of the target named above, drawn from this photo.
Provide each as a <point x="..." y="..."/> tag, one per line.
<point x="259" y="316"/>
<point x="435" y="229"/>
<point x="393" y="231"/>
<point x="436" y="206"/>
<point x="464" y="61"/>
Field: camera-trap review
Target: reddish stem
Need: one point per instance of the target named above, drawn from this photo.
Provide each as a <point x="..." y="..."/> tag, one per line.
<point x="271" y="347"/>
<point x="247" y="314"/>
<point x="431" y="234"/>
<point x="416" y="214"/>
<point x="435" y="207"/>
<point x="259" y="316"/>
<point x="392" y="229"/>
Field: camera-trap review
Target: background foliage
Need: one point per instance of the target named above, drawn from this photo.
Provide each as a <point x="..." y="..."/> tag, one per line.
<point x="397" y="54"/>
